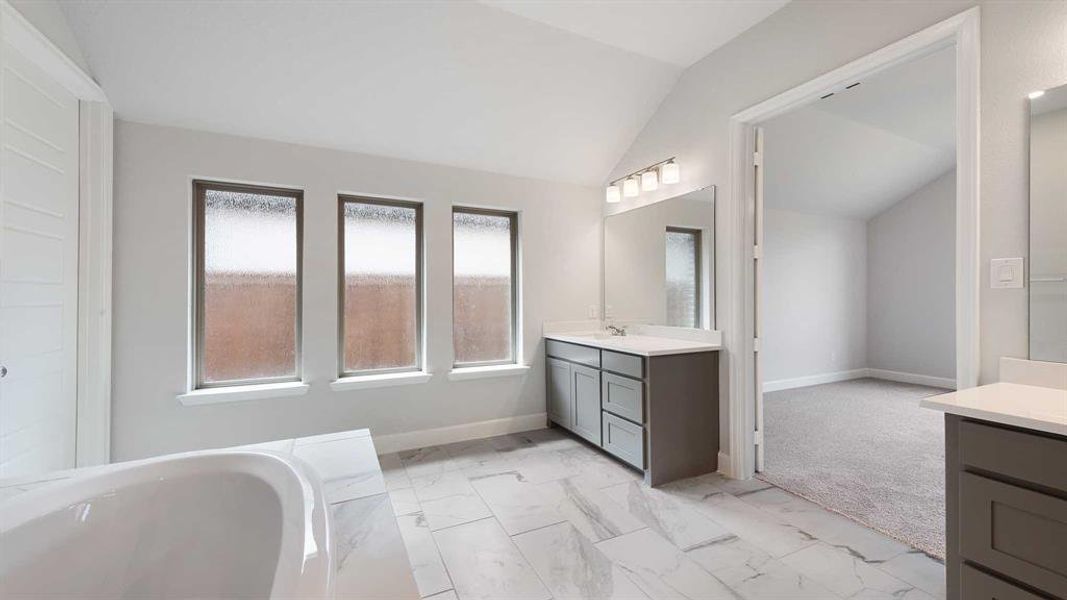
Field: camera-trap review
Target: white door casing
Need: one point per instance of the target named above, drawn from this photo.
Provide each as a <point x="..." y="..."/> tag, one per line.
<point x="39" y="178"/>
<point x="738" y="239"/>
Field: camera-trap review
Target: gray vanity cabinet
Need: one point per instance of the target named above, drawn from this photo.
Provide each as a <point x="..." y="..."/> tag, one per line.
<point x="585" y="383"/>
<point x="658" y="414"/>
<point x="560" y="398"/>
<point x="1006" y="495"/>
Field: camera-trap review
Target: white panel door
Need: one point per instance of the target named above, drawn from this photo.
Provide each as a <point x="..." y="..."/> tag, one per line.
<point x="38" y="269"/>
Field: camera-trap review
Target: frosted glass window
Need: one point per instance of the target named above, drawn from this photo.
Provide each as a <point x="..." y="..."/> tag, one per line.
<point x="483" y="286"/>
<point x="683" y="277"/>
<point x="247" y="284"/>
<point x="381" y="290"/>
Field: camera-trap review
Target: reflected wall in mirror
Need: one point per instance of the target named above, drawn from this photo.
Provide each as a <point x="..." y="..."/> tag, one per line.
<point x="659" y="263"/>
<point x="1048" y="225"/>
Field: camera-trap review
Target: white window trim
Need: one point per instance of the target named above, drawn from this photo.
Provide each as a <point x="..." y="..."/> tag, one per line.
<point x="486" y="372"/>
<point x="380" y="380"/>
<point x="242" y="393"/>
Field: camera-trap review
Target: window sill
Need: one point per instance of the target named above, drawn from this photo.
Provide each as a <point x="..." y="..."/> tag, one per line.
<point x="366" y="382"/>
<point x="464" y="373"/>
<point x="241" y="393"/>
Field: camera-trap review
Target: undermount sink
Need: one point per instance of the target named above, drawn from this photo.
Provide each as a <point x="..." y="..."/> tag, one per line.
<point x="599" y="335"/>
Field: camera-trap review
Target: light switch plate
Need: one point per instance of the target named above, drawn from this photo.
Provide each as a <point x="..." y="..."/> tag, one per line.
<point x="1006" y="273"/>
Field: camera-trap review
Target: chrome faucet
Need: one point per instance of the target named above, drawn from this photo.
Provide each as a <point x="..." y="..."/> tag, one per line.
<point x="616" y="331"/>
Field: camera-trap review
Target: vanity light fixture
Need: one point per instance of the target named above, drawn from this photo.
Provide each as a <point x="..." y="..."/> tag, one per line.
<point x="643" y="180"/>
<point x="614" y="194"/>
<point x="670" y="172"/>
<point x="1036" y="95"/>
<point x="649" y="181"/>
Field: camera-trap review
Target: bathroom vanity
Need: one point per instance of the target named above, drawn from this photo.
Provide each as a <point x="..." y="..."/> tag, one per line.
<point x="1005" y="491"/>
<point x="651" y="402"/>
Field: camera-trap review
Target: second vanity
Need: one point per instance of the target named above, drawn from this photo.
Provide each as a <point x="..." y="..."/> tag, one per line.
<point x="1005" y="491"/>
<point x="651" y="402"/>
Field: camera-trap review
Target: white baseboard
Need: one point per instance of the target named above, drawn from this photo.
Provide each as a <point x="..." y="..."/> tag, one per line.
<point x="409" y="440"/>
<point x="916" y="378"/>
<point x="724" y="464"/>
<point x="788" y="384"/>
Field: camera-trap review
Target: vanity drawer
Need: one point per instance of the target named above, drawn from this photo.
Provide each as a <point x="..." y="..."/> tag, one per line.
<point x="624" y="439"/>
<point x="626" y="364"/>
<point x="1029" y="457"/>
<point x="976" y="585"/>
<point x="623" y="396"/>
<point x="1014" y="531"/>
<point x="573" y="352"/>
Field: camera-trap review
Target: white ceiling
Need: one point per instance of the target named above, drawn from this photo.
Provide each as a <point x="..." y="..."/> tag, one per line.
<point x="860" y="151"/>
<point x="679" y="32"/>
<point x="457" y="83"/>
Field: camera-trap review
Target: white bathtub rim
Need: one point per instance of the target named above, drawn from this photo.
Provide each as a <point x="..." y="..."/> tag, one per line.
<point x="311" y="527"/>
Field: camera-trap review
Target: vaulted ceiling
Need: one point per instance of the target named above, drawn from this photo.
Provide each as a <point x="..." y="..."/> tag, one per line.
<point x="548" y="90"/>
<point x="860" y="151"/>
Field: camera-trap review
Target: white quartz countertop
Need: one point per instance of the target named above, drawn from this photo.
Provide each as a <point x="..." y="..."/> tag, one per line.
<point x="644" y="345"/>
<point x="1027" y="406"/>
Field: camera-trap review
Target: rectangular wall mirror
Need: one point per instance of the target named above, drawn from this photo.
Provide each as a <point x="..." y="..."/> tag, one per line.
<point x="659" y="266"/>
<point x="1048" y="225"/>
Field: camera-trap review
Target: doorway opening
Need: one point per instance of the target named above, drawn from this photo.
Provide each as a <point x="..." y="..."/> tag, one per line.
<point x="857" y="297"/>
<point x="827" y="258"/>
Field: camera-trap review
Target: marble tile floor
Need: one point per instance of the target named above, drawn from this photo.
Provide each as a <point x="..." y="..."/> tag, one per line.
<point x="542" y="515"/>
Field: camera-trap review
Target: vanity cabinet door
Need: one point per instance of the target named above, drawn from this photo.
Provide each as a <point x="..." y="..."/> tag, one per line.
<point x="560" y="399"/>
<point x="586" y="389"/>
<point x="976" y="585"/>
<point x="1014" y="531"/>
<point x="624" y="397"/>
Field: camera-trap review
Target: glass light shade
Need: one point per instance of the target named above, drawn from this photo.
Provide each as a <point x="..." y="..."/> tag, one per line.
<point x="631" y="188"/>
<point x="649" y="181"/>
<point x="1035" y="95"/>
<point x="613" y="195"/>
<point x="670" y="173"/>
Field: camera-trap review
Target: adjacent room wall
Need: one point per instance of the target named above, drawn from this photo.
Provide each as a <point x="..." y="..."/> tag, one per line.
<point x="911" y="283"/>
<point x="1022" y="50"/>
<point x="560" y="238"/>
<point x="846" y="298"/>
<point x="814" y="298"/>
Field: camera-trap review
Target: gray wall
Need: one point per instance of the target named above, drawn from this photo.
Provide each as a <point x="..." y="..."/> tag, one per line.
<point x="911" y="285"/>
<point x="1022" y="50"/>
<point x="814" y="295"/>
<point x="560" y="238"/>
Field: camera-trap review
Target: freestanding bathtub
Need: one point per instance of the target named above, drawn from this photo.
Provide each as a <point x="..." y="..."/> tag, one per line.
<point x="213" y="524"/>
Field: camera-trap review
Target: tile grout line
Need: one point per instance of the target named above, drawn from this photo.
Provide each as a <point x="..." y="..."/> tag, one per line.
<point x="539" y="528"/>
<point x="441" y="558"/>
<point x="462" y="524"/>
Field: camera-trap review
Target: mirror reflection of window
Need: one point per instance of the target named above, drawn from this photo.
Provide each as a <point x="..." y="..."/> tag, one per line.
<point x="683" y="277"/>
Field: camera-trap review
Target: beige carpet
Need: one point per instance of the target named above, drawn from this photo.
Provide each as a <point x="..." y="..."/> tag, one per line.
<point x="865" y="449"/>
